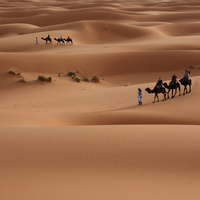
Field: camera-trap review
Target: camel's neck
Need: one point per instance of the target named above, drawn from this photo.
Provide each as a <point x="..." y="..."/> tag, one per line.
<point x="149" y="90"/>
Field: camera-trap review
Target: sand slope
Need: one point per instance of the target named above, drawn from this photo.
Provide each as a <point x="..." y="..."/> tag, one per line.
<point x="100" y="163"/>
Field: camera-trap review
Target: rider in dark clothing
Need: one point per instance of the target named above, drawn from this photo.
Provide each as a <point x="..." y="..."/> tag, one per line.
<point x="186" y="76"/>
<point x="174" y="77"/>
<point x="159" y="83"/>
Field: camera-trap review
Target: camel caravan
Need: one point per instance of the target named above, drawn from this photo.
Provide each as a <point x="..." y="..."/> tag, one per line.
<point x="160" y="87"/>
<point x="59" y="40"/>
<point x="173" y="85"/>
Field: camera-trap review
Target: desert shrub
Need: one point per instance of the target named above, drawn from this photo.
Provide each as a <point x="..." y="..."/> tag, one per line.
<point x="22" y="79"/>
<point x="70" y="73"/>
<point x="14" y="72"/>
<point x="86" y="79"/>
<point x="43" y="78"/>
<point x="11" y="71"/>
<point x="18" y="73"/>
<point x="72" y="76"/>
<point x="58" y="73"/>
<point x="199" y="67"/>
<point x="191" y="66"/>
<point x="78" y="79"/>
<point x="127" y="84"/>
<point x="95" y="78"/>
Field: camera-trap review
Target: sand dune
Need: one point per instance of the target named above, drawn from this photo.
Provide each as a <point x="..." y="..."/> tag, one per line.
<point x="10" y="29"/>
<point x="103" y="64"/>
<point x="100" y="163"/>
<point x="182" y="29"/>
<point x="68" y="140"/>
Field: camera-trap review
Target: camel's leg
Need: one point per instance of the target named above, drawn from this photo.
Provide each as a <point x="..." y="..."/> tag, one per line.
<point x="179" y="91"/>
<point x="164" y="97"/>
<point x="168" y="93"/>
<point x="184" y="90"/>
<point x="156" y="95"/>
<point x="172" y="93"/>
<point x="175" y="92"/>
<point x="189" y="88"/>
<point x="154" y="98"/>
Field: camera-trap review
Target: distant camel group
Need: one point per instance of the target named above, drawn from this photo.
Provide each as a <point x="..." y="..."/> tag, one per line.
<point x="172" y="87"/>
<point x="59" y="41"/>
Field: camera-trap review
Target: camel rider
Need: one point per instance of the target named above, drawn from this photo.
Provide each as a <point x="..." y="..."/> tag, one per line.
<point x="159" y="83"/>
<point x="68" y="37"/>
<point x="186" y="76"/>
<point x="174" y="77"/>
<point x="48" y="36"/>
<point x="60" y="38"/>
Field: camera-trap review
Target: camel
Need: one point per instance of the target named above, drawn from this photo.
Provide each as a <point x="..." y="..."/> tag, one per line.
<point x="173" y="87"/>
<point x="157" y="90"/>
<point x="47" y="39"/>
<point x="185" y="82"/>
<point x="68" y="40"/>
<point x="60" y="41"/>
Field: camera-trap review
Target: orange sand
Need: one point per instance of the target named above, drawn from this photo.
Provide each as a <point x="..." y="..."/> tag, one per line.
<point x="91" y="141"/>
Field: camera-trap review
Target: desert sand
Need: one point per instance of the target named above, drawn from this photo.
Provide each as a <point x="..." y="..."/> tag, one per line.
<point x="92" y="141"/>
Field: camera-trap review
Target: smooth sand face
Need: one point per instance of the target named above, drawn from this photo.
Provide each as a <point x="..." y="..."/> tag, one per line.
<point x="70" y="140"/>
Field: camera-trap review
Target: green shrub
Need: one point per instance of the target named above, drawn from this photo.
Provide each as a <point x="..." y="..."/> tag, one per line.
<point x="95" y="78"/>
<point x="70" y="73"/>
<point x="127" y="84"/>
<point x="43" y="78"/>
<point x="72" y="76"/>
<point x="199" y="67"/>
<point x="78" y="79"/>
<point x="22" y="79"/>
<point x="191" y="66"/>
<point x="18" y="73"/>
<point x="86" y="79"/>
<point x="13" y="72"/>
